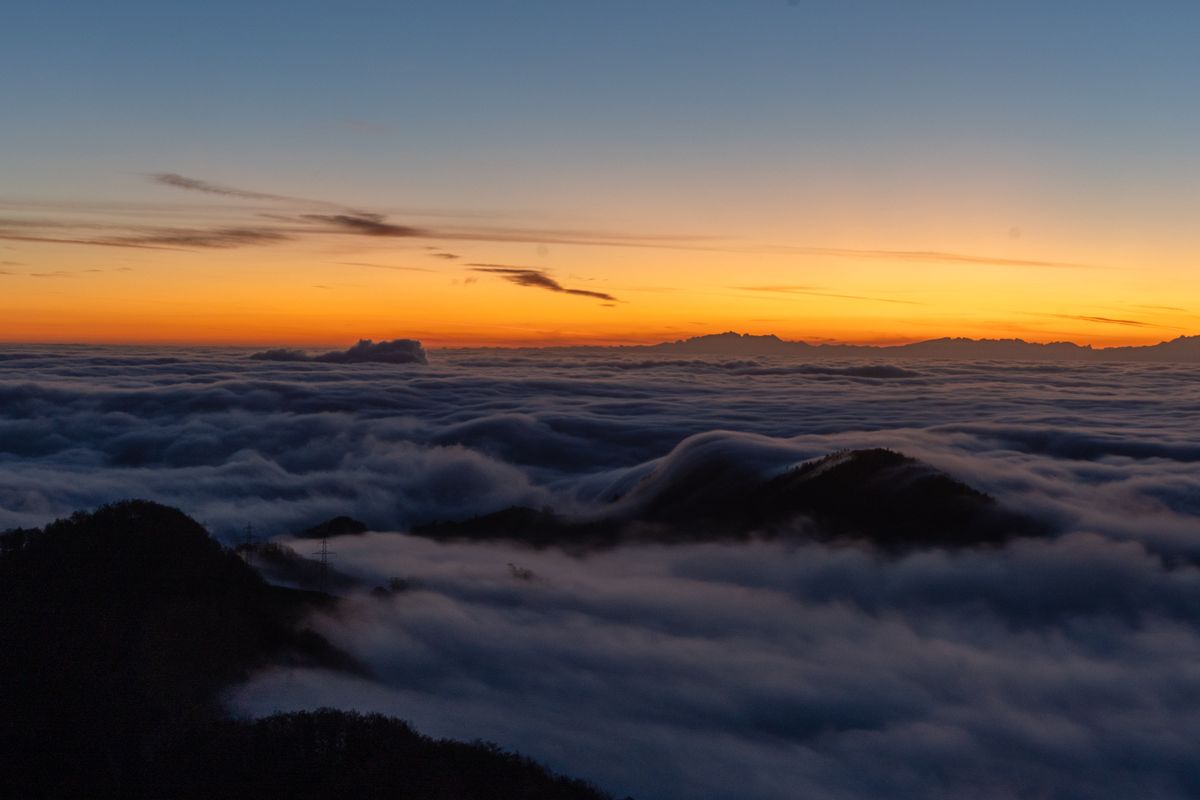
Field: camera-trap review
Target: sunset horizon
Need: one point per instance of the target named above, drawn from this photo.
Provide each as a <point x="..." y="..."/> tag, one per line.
<point x="435" y="342"/>
<point x="302" y="271"/>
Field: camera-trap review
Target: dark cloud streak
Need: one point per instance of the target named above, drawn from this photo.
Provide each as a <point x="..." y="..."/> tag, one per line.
<point x="366" y="225"/>
<point x="1106" y="320"/>
<point x="177" y="181"/>
<point x="212" y="238"/>
<point x="537" y="279"/>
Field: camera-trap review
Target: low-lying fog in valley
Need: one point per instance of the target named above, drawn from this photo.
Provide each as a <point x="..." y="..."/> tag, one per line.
<point x="1062" y="664"/>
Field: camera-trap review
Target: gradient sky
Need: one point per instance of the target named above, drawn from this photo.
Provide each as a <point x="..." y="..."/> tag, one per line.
<point x="536" y="172"/>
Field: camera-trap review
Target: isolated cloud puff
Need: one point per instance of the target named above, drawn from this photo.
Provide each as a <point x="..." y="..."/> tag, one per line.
<point x="396" y="351"/>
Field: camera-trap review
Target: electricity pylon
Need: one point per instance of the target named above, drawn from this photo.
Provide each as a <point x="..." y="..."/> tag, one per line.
<point x="324" y="553"/>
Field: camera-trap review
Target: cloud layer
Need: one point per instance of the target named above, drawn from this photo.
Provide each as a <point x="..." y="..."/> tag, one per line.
<point x="1061" y="666"/>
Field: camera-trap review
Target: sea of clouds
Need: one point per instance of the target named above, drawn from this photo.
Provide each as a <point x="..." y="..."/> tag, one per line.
<point x="1061" y="667"/>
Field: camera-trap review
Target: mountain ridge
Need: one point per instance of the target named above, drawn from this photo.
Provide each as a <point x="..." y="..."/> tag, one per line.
<point x="1181" y="348"/>
<point x="874" y="496"/>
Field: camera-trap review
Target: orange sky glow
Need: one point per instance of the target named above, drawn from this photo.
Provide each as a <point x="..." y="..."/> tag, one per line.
<point x="318" y="283"/>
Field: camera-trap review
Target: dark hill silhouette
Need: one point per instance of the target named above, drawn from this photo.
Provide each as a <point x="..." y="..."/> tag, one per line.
<point x="328" y="754"/>
<point x="891" y="499"/>
<point x="878" y="496"/>
<point x="337" y="526"/>
<point x="120" y="628"/>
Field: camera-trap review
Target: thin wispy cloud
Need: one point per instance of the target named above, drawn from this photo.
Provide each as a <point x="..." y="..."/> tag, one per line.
<point x="927" y="256"/>
<point x="52" y="231"/>
<point x="1134" y="323"/>
<point x="537" y="279"/>
<point x="812" y="291"/>
<point x="548" y="236"/>
<point x="1164" y="308"/>
<point x="19" y="237"/>
<point x="220" y="238"/>
<point x="177" y="181"/>
<point x="63" y="273"/>
<point x="365" y="224"/>
<point x="327" y="218"/>
<point x="384" y="266"/>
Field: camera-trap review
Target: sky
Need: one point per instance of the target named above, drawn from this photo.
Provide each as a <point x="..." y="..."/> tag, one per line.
<point x="470" y="173"/>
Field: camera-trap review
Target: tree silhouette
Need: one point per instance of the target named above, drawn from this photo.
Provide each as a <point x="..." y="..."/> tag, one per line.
<point x="118" y="631"/>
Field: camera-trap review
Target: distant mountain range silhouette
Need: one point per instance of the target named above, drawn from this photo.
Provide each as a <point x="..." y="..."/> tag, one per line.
<point x="1183" y="348"/>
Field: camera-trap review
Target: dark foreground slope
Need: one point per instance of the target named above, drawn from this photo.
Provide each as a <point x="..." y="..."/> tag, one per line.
<point x="878" y="496"/>
<point x="118" y="631"/>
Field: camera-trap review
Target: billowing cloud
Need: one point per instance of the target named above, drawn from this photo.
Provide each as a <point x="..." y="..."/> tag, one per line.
<point x="762" y="670"/>
<point x="536" y="279"/>
<point x="769" y="672"/>
<point x="594" y="418"/>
